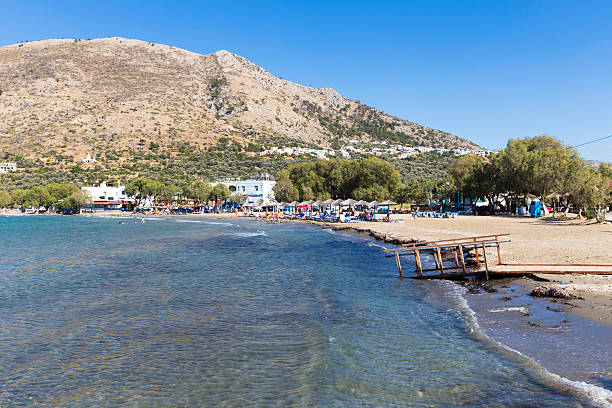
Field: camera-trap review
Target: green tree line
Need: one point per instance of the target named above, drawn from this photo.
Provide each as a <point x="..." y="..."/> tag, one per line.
<point x="164" y="192"/>
<point x="365" y="179"/>
<point x="541" y="166"/>
<point x="65" y="196"/>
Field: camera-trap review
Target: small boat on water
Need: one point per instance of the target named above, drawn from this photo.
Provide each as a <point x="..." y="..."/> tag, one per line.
<point x="31" y="210"/>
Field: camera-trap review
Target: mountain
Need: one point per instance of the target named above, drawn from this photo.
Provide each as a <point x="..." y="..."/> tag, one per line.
<point x="109" y="93"/>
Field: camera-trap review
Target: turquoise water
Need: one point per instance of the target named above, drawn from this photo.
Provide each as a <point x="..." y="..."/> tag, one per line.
<point x="199" y="313"/>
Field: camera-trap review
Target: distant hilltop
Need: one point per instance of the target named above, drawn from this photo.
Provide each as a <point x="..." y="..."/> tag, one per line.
<point x="64" y="98"/>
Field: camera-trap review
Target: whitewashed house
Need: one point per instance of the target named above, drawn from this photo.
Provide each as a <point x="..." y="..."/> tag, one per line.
<point x="256" y="190"/>
<point x="6" y="167"/>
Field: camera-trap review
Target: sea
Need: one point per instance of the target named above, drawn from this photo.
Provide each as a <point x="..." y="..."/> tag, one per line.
<point x="103" y="311"/>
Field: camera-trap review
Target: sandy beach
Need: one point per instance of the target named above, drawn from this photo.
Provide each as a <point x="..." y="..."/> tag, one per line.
<point x="544" y="240"/>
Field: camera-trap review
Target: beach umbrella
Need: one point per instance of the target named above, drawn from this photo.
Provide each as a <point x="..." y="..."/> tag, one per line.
<point x="374" y="204"/>
<point x="388" y="203"/>
<point x="362" y="203"/>
<point x="350" y="202"/>
<point x="327" y="203"/>
<point x="317" y="204"/>
<point x="337" y="203"/>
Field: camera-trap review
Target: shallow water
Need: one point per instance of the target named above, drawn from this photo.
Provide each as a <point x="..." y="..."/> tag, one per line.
<point x="572" y="347"/>
<point x="237" y="313"/>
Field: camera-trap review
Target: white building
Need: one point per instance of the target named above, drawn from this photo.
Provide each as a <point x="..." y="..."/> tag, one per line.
<point x="6" y="167"/>
<point x="109" y="197"/>
<point x="256" y="190"/>
<point x="88" y="159"/>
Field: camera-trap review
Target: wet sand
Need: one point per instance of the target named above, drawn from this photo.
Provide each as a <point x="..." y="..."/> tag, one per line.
<point x="596" y="291"/>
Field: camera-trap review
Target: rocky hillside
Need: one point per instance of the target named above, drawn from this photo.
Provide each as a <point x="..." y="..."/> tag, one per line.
<point x="114" y="97"/>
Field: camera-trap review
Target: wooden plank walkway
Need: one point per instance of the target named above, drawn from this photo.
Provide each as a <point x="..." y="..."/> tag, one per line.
<point x="551" y="268"/>
<point x="455" y="250"/>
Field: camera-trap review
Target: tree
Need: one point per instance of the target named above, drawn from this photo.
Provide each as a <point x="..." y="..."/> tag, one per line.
<point x="467" y="173"/>
<point x="284" y="190"/>
<point x="371" y="193"/>
<point x="587" y="188"/>
<point x="219" y="192"/>
<point x="75" y="201"/>
<point x="415" y="191"/>
<point x="5" y="199"/>
<point x="17" y="196"/>
<point x="143" y="189"/>
<point x="443" y="189"/>
<point x="377" y="175"/>
<point x="198" y="191"/>
<point x="60" y="191"/>
<point x="37" y="196"/>
<point x="166" y="193"/>
<point x="338" y="178"/>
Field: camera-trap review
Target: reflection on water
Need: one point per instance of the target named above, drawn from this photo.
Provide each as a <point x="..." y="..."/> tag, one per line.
<point x="175" y="313"/>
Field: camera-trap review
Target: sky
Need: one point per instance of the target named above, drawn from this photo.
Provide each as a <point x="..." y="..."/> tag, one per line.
<point x="487" y="71"/>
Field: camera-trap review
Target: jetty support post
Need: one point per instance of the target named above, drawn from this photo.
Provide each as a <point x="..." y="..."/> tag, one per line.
<point x="462" y="258"/>
<point x="499" y="260"/>
<point x="399" y="265"/>
<point x="417" y="259"/>
<point x="477" y="256"/>
<point x="440" y="259"/>
<point x="435" y="257"/>
<point x="456" y="259"/>
<point x="484" y="254"/>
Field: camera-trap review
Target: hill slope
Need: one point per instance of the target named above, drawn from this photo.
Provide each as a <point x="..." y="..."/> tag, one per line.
<point x="114" y="96"/>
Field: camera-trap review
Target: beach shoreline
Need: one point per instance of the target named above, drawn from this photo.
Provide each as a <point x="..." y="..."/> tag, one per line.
<point x="533" y="241"/>
<point x="570" y="241"/>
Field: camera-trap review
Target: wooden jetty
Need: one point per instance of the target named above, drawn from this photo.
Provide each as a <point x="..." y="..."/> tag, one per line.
<point x="453" y="251"/>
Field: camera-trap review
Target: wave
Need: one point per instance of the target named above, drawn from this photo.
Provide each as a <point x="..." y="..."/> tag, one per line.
<point x="599" y="395"/>
<point x="259" y="233"/>
<point x="205" y="222"/>
<point x="375" y="244"/>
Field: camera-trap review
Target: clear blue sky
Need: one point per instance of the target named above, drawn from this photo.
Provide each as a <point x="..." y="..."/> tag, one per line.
<point x="484" y="70"/>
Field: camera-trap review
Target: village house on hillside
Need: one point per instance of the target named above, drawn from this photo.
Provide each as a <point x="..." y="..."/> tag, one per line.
<point x="6" y="167"/>
<point x="88" y="159"/>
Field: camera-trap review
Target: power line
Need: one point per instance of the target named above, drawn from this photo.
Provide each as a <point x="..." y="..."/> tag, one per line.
<point x="593" y="141"/>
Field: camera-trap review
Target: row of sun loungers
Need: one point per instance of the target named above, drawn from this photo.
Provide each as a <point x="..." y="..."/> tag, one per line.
<point x="333" y="218"/>
<point x="432" y="214"/>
